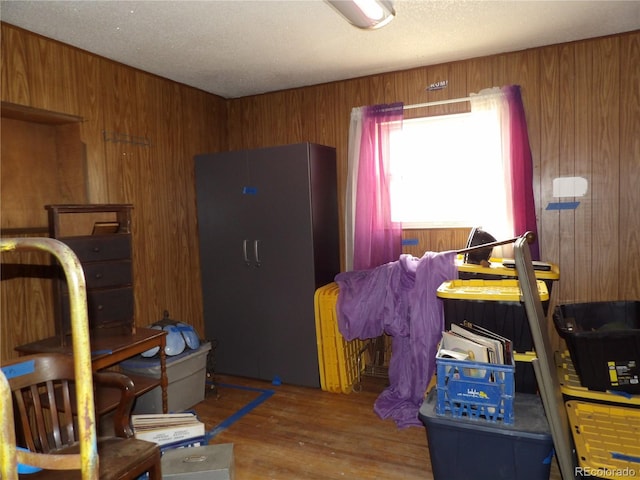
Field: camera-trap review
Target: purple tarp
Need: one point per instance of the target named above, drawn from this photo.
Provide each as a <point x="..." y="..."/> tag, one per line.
<point x="399" y="299"/>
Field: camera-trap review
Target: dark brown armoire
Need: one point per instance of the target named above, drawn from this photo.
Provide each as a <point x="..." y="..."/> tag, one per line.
<point x="268" y="226"/>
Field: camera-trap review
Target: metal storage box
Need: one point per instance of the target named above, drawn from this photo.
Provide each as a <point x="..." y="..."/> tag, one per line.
<point x="211" y="462"/>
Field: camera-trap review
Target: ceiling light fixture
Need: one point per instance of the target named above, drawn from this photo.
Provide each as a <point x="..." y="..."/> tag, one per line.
<point x="366" y="14"/>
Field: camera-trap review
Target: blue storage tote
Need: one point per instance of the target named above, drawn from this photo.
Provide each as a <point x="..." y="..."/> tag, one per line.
<point x="464" y="449"/>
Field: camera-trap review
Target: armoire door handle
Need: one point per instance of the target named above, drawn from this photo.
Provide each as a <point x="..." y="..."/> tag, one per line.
<point x="244" y="253"/>
<point x="256" y="253"/>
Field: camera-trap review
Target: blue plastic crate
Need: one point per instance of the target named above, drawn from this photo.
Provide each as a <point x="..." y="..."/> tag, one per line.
<point x="475" y="390"/>
<point x="189" y="442"/>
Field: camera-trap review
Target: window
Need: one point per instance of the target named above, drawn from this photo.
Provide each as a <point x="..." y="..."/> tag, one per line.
<point x="447" y="171"/>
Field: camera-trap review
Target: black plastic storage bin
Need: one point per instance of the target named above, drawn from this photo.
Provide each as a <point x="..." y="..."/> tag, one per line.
<point x="468" y="449"/>
<point x="495" y="305"/>
<point x="603" y="339"/>
<point x="508" y="319"/>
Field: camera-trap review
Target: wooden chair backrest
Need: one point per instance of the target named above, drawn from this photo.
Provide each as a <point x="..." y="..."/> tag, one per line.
<point x="46" y="418"/>
<point x="44" y="401"/>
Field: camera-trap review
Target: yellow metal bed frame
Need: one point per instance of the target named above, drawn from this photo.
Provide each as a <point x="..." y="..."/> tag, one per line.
<point x="87" y="459"/>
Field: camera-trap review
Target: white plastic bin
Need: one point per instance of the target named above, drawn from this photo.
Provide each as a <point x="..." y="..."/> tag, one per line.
<point x="186" y="374"/>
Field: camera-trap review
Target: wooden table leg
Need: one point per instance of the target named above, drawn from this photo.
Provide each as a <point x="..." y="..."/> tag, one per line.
<point x="164" y="382"/>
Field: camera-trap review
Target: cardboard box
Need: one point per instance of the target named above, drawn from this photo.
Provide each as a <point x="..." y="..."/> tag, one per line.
<point x="210" y="462"/>
<point x="168" y="429"/>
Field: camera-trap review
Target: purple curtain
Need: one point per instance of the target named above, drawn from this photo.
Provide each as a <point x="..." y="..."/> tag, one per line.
<point x="377" y="240"/>
<point x="524" y="209"/>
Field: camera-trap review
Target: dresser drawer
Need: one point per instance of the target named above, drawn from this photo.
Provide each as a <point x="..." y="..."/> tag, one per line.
<point x="100" y="247"/>
<point x="106" y="308"/>
<point x="105" y="274"/>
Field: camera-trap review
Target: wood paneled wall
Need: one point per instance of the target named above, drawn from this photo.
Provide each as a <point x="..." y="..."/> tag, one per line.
<point x="582" y="103"/>
<point x="583" y="109"/>
<point x="121" y="110"/>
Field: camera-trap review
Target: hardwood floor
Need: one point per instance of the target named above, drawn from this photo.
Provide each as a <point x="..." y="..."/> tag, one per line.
<point x="296" y="433"/>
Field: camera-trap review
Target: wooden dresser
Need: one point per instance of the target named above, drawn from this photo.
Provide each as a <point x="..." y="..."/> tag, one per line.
<point x="100" y="236"/>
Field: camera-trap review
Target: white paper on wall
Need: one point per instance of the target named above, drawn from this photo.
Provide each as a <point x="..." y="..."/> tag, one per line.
<point x="570" y="187"/>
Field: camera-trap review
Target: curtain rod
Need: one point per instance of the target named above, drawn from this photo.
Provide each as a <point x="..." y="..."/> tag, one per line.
<point x="439" y="102"/>
<point x="453" y="100"/>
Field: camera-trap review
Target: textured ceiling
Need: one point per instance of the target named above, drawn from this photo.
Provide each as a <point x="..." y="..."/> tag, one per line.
<point x="239" y="48"/>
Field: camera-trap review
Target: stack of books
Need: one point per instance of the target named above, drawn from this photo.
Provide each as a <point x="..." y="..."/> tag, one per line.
<point x="467" y="341"/>
<point x="171" y="430"/>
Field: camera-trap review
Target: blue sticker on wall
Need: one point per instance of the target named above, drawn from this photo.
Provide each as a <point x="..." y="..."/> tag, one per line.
<point x="562" y="205"/>
<point x="409" y="241"/>
<point x="249" y="191"/>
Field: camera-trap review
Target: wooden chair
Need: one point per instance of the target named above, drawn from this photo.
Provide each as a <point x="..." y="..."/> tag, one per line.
<point x="46" y="421"/>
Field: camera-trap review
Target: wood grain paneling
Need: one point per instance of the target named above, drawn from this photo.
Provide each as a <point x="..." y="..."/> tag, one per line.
<point x="550" y="127"/>
<point x="572" y="109"/>
<point x="26" y="297"/>
<point x="605" y="169"/>
<point x="562" y="228"/>
<point x="582" y="105"/>
<point x="15" y="76"/>
<point x="88" y="80"/>
<point x="455" y="74"/>
<point x="629" y="131"/>
<point x="550" y="131"/>
<point x="43" y="162"/>
<point x="580" y="235"/>
<point x="204" y="130"/>
<point x="116" y="104"/>
<point x="479" y="74"/>
<point x="23" y="160"/>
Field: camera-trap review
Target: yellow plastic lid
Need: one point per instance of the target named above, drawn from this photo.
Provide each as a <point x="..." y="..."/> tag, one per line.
<point x="497" y="290"/>
<point x="606" y="438"/>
